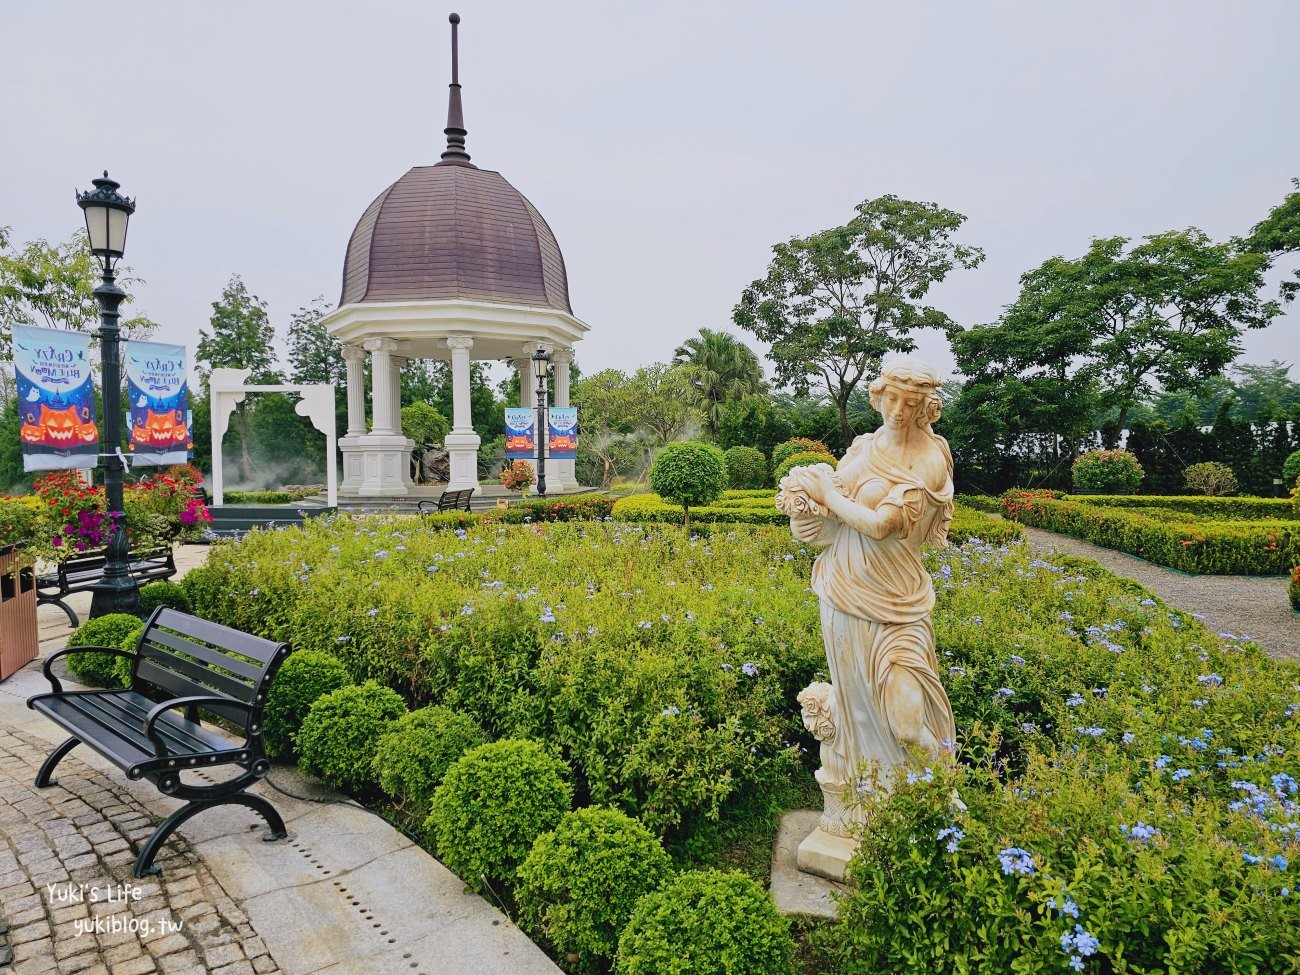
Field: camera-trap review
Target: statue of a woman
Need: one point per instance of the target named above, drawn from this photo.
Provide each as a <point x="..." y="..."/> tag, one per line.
<point x="893" y="490"/>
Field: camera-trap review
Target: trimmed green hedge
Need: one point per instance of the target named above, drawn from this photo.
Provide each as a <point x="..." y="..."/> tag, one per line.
<point x="758" y="508"/>
<point x="1229" y="509"/>
<point x="1251" y="547"/>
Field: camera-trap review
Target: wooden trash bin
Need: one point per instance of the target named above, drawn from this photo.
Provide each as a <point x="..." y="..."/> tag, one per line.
<point x="19" y="637"/>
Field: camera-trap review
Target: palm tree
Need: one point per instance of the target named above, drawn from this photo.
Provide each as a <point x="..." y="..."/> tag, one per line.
<point x="721" y="368"/>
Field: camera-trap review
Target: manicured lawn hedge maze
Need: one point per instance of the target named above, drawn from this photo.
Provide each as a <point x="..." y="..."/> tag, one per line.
<point x="1128" y="777"/>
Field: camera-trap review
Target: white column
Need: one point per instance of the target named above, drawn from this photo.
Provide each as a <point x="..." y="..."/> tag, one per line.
<point x="565" y="471"/>
<point x="563" y="358"/>
<point x="381" y="390"/>
<point x="462" y="443"/>
<point x="397" y="362"/>
<point x="354" y="358"/>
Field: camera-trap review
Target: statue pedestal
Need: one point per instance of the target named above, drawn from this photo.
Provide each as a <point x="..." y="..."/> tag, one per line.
<point x="826" y="855"/>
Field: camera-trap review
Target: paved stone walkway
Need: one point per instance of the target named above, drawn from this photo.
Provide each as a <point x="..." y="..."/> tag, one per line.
<point x="1254" y="606"/>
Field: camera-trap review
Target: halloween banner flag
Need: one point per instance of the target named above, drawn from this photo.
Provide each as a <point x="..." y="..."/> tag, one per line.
<point x="157" y="391"/>
<point x="562" y="442"/>
<point x="56" y="402"/>
<point x="519" y="433"/>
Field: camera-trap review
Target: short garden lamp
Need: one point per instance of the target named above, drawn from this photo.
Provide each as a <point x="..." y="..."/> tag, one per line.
<point x="541" y="365"/>
<point x="107" y="213"/>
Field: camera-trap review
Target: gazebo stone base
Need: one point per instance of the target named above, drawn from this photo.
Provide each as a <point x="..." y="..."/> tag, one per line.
<point x="462" y="452"/>
<point x="376" y="465"/>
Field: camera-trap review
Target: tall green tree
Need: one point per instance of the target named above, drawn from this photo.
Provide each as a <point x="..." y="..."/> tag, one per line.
<point x="721" y="369"/>
<point x="53" y="285"/>
<point x="833" y="305"/>
<point x="1168" y="311"/>
<point x="241" y="337"/>
<point x="315" y="356"/>
<point x="1279" y="234"/>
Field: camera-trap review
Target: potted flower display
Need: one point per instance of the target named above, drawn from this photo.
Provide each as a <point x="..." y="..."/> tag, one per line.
<point x="519" y="476"/>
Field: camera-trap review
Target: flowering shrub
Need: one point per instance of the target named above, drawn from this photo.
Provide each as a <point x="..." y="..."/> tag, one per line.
<point x="1293" y="589"/>
<point x="1107" y="472"/>
<point x="518" y="476"/>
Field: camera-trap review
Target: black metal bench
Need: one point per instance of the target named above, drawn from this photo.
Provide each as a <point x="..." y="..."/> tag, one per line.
<point x="83" y="571"/>
<point x="181" y="663"/>
<point x="448" y="501"/>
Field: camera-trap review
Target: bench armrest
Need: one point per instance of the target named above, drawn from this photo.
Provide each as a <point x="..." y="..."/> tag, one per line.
<point x="57" y="687"/>
<point x="159" y="710"/>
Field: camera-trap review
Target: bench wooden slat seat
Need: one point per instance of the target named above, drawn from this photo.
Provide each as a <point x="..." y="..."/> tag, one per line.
<point x="152" y="731"/>
<point x="447" y="501"/>
<point x="83" y="571"/>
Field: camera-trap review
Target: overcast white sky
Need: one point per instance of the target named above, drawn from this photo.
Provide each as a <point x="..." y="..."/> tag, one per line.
<point x="669" y="145"/>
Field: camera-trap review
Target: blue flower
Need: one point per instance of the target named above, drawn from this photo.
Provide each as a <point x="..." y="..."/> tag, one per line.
<point x="372" y="612"/>
<point x="1016" y="860"/>
<point x="953" y="835"/>
<point x="1140" y="832"/>
<point x="1181" y="774"/>
<point x="1074" y="700"/>
<point x="915" y="777"/>
<point x="467" y="610"/>
<point x="1076" y="963"/>
<point x="1018" y="660"/>
<point x="1128" y="738"/>
<point x="547" y="616"/>
<point x="1162" y="761"/>
<point x="749" y="669"/>
<point x="1002" y="693"/>
<point x="1280" y="861"/>
<point x="670" y="712"/>
<point x="1091" y="732"/>
<point x="1251" y="858"/>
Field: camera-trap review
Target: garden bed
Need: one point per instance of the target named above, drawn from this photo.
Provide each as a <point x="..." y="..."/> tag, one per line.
<point x="1124" y="769"/>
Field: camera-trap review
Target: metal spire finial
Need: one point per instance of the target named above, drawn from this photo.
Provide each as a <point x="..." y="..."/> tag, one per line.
<point x="455" y="154"/>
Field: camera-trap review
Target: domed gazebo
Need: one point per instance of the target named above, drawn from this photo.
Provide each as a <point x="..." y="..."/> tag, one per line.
<point x="450" y="262"/>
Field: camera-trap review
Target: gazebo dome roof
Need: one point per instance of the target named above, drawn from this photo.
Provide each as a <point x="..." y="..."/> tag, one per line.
<point x="454" y="231"/>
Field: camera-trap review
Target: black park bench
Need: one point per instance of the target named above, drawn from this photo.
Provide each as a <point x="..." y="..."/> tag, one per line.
<point x="83" y="571"/>
<point x="447" y="501"/>
<point x="152" y="731"/>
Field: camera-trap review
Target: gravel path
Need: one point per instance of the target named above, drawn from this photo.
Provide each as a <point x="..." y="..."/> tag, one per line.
<point x="1255" y="606"/>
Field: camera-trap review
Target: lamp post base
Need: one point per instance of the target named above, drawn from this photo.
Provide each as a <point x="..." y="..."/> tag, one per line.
<point x="115" y="596"/>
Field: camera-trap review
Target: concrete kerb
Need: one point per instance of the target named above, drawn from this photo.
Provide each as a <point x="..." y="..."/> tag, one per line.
<point x="346" y="892"/>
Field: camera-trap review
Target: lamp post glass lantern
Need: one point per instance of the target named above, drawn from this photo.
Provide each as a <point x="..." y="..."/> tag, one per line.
<point x="541" y="365"/>
<point x="107" y="214"/>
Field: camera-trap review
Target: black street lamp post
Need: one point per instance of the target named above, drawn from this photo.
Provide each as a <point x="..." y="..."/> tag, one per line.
<point x="107" y="213"/>
<point x="541" y="364"/>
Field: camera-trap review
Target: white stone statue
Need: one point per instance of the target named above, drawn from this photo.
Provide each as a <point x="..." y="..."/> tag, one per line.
<point x="893" y="490"/>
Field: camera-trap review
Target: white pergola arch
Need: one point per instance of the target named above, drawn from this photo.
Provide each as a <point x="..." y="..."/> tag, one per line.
<point x="227" y="389"/>
<point x="376" y="460"/>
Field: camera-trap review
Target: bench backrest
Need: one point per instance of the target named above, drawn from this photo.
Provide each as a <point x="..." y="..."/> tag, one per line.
<point x="454" y="499"/>
<point x="183" y="655"/>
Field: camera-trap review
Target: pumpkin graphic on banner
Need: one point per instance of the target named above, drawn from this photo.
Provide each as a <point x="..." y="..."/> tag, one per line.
<point x="56" y="401"/>
<point x="158" y="393"/>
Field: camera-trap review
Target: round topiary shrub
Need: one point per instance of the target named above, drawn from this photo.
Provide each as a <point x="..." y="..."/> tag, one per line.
<point x="493" y="804"/>
<point x="119" y="630"/>
<point x="1291" y="470"/>
<point x="707" y="923"/>
<point x="304" y="677"/>
<point x="1107" y="472"/>
<point x="338" y="739"/>
<point x="1210" y="478"/>
<point x="580" y="882"/>
<point x="689" y="473"/>
<point x="414" y="755"/>
<point x="806" y="459"/>
<point x="797" y="445"/>
<point x="161" y="592"/>
<point x="746" y="468"/>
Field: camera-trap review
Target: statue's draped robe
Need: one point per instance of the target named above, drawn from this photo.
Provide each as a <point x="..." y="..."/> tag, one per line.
<point x="876" y="598"/>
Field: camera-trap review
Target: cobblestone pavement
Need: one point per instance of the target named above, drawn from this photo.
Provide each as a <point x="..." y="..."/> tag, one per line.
<point x="68" y="894"/>
<point x="1255" y="606"/>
